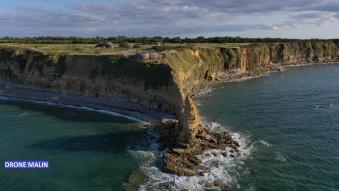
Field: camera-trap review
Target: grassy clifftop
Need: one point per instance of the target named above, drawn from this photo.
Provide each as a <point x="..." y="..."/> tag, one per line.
<point x="181" y="65"/>
<point x="89" y="49"/>
<point x="171" y="74"/>
<point x="160" y="78"/>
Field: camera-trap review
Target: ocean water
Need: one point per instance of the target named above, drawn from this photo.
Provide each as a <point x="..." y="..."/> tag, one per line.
<point x="86" y="150"/>
<point x="290" y="121"/>
<point x="287" y="125"/>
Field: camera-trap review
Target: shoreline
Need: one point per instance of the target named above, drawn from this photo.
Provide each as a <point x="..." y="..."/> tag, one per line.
<point x="114" y="107"/>
<point x="118" y="108"/>
<point x="103" y="111"/>
<point x="122" y="108"/>
<point x="200" y="87"/>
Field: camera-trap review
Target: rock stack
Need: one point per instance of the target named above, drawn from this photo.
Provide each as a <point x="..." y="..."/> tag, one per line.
<point x="192" y="140"/>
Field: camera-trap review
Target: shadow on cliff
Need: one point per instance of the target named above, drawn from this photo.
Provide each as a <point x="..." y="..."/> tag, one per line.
<point x="117" y="142"/>
<point x="67" y="114"/>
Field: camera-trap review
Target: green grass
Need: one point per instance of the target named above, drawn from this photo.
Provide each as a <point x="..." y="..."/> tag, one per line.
<point x="220" y="45"/>
<point x="88" y="49"/>
<point x="69" y="49"/>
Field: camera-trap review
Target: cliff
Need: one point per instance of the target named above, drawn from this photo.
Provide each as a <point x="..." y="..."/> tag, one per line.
<point x="113" y="76"/>
<point x="192" y="66"/>
<point x="166" y="83"/>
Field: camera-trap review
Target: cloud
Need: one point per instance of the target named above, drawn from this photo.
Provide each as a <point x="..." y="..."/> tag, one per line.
<point x="250" y="6"/>
<point x="169" y="17"/>
<point x="316" y="18"/>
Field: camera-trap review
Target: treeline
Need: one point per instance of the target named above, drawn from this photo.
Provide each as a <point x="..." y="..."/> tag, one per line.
<point x="143" y="40"/>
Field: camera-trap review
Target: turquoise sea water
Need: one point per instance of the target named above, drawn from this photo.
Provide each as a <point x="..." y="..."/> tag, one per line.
<point x="87" y="151"/>
<point x="291" y="123"/>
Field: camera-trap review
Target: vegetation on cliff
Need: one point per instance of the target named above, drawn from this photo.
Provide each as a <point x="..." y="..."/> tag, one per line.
<point x="143" y="40"/>
<point x="167" y="82"/>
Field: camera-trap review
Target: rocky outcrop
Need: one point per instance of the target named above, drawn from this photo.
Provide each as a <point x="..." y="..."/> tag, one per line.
<point x="194" y="65"/>
<point x="166" y="82"/>
<point x="192" y="139"/>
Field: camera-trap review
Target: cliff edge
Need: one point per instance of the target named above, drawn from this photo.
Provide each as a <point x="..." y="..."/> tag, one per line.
<point x="164" y="81"/>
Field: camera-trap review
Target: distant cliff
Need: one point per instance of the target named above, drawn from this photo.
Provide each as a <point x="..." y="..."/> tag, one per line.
<point x="191" y="66"/>
<point x="165" y="84"/>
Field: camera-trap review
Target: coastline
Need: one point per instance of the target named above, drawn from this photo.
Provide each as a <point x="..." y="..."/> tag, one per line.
<point x="122" y="108"/>
<point x="119" y="108"/>
<point x="263" y="95"/>
<point x="200" y="87"/>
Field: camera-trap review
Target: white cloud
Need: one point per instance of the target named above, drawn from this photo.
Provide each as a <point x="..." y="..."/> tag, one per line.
<point x="170" y="17"/>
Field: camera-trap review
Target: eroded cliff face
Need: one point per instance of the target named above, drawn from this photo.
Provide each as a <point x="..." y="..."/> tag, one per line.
<point x="166" y="85"/>
<point x="191" y="66"/>
<point x="150" y="85"/>
<point x="162" y="86"/>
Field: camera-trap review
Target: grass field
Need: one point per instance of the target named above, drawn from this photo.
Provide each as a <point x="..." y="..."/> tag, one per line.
<point x="69" y="49"/>
<point x="89" y="49"/>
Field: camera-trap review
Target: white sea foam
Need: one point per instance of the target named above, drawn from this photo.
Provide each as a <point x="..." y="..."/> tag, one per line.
<point x="267" y="144"/>
<point x="205" y="91"/>
<point x="251" y="187"/>
<point x="245" y="78"/>
<point x="221" y="167"/>
<point x="326" y="108"/>
<point x="23" y="114"/>
<point x="216" y="127"/>
<point x="92" y="109"/>
<point x="280" y="157"/>
<point x="80" y="107"/>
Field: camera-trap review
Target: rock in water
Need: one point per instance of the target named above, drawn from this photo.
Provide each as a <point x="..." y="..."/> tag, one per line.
<point x="183" y="160"/>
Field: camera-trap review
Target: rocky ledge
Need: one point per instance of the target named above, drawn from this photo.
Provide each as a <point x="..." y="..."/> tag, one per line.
<point x="183" y="161"/>
<point x="182" y="156"/>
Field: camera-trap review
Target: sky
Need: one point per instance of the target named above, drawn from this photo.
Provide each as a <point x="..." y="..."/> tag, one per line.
<point x="185" y="18"/>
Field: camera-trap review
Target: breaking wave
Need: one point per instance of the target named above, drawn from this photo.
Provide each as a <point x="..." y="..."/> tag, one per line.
<point x="205" y="91"/>
<point x="267" y="144"/>
<point x="23" y="114"/>
<point x="221" y="169"/>
<point x="112" y="113"/>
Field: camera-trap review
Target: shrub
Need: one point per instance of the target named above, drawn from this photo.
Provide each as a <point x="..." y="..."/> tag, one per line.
<point x="124" y="45"/>
<point x="137" y="46"/>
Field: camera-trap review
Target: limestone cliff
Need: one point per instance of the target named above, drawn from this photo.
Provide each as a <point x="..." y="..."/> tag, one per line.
<point x="193" y="65"/>
<point x="148" y="84"/>
<point x="166" y="84"/>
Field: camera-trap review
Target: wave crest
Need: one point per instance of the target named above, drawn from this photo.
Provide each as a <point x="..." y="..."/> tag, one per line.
<point x="220" y="169"/>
